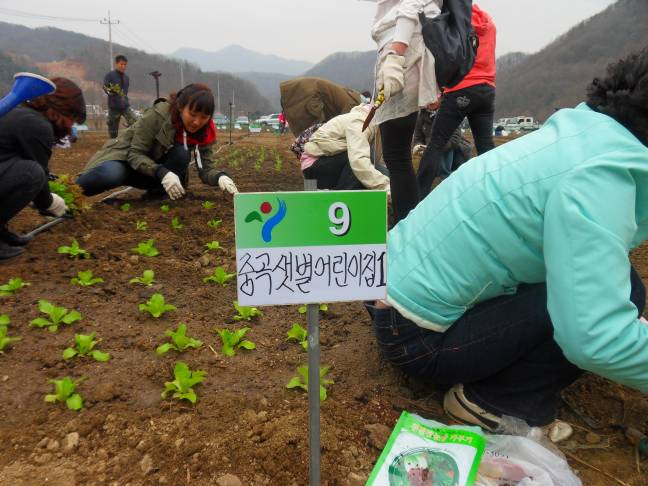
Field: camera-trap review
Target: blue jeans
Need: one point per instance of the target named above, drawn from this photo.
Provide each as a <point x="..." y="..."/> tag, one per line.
<point x="502" y="350"/>
<point x="115" y="173"/>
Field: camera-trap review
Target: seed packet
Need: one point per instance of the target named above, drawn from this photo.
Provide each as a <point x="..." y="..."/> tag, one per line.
<point x="420" y="453"/>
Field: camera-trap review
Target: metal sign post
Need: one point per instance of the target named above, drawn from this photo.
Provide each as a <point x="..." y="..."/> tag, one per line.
<point x="313" y="246"/>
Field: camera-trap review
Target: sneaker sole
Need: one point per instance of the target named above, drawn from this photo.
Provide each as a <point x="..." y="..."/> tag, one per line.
<point x="453" y="401"/>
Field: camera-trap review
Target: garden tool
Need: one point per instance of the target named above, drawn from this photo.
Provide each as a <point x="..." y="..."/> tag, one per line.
<point x="379" y="101"/>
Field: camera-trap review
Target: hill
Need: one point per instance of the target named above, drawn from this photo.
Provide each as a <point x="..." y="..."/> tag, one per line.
<point x="237" y="59"/>
<point x="352" y="69"/>
<point x="84" y="59"/>
<point x="268" y="86"/>
<point x="557" y="76"/>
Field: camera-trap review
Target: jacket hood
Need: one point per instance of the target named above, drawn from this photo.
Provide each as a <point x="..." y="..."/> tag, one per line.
<point x="481" y="21"/>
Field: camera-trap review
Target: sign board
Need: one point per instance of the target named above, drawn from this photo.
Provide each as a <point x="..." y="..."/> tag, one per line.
<point x="308" y="247"/>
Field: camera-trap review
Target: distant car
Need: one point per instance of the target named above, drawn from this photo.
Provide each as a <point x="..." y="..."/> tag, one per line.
<point x="269" y="120"/>
<point x="221" y="120"/>
<point x="242" y="120"/>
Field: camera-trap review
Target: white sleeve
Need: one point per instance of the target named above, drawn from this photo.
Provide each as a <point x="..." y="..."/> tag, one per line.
<point x="407" y="17"/>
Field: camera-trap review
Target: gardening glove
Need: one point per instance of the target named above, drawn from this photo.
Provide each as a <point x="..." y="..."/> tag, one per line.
<point x="419" y="148"/>
<point x="173" y="186"/>
<point x="58" y="207"/>
<point x="227" y="185"/>
<point x="391" y="77"/>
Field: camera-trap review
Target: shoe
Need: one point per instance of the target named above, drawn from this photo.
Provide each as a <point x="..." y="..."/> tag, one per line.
<point x="13" y="239"/>
<point x="7" y="251"/>
<point x="459" y="408"/>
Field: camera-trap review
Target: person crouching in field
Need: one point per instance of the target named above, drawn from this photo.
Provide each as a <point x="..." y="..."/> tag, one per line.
<point x="27" y="135"/>
<point x="513" y="276"/>
<point x="155" y="152"/>
<point x="338" y="154"/>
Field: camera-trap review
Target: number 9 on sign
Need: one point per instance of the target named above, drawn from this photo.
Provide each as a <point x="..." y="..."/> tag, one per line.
<point x="339" y="215"/>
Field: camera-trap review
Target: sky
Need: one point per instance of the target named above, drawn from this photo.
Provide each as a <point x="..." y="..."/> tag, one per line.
<point x="306" y="30"/>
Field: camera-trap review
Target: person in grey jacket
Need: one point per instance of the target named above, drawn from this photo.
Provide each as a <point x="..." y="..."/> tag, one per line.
<point x="115" y="85"/>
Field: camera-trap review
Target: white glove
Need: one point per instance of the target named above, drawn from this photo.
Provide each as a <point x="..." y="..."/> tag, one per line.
<point x="227" y="185"/>
<point x="419" y="148"/>
<point x="173" y="186"/>
<point x="391" y="77"/>
<point x="58" y="207"/>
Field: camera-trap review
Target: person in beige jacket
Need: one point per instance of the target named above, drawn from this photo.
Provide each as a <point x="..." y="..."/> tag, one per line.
<point x="338" y="154"/>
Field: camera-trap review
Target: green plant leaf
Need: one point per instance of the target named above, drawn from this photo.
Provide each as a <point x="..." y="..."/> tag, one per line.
<point x="12" y="286"/>
<point x="245" y="312"/>
<point x="208" y="205"/>
<point x="71" y="317"/>
<point x="165" y="208"/>
<point x="146" y="248"/>
<point x="219" y="276"/>
<point x="73" y="251"/>
<point x="176" y="224"/>
<point x="85" y="279"/>
<point x="69" y="353"/>
<point x="4" y="320"/>
<point x="100" y="356"/>
<point x="214" y="223"/>
<point x="6" y="340"/>
<point x="247" y="345"/>
<point x="75" y="402"/>
<point x="141" y="225"/>
<point x="184" y="380"/>
<point x="125" y="207"/>
<point x="164" y="348"/>
<point x="147" y="278"/>
<point x="156" y="306"/>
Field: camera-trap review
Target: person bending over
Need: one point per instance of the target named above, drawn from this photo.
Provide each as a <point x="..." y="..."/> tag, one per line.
<point x="155" y="152"/>
<point x="513" y="276"/>
<point x="27" y="135"/>
<point x="338" y="154"/>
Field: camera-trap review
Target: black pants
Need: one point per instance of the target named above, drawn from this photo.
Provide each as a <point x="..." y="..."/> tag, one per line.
<point x="478" y="104"/>
<point x="335" y="173"/>
<point x="502" y="350"/>
<point x="21" y="182"/>
<point x="116" y="173"/>
<point x="396" y="137"/>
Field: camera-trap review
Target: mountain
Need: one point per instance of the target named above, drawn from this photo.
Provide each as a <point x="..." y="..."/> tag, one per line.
<point x="237" y="59"/>
<point x="558" y="75"/>
<point x="508" y="61"/>
<point x="268" y="85"/>
<point x="84" y="59"/>
<point x="352" y="69"/>
<point x="9" y="67"/>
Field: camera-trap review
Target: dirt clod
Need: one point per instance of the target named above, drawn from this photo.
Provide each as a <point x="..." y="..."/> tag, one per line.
<point x="71" y="441"/>
<point x="146" y="464"/>
<point x="378" y="435"/>
<point x="229" y="480"/>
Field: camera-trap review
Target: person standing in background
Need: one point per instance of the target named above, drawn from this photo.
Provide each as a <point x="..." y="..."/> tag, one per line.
<point x="115" y="85"/>
<point x="473" y="97"/>
<point x="406" y="76"/>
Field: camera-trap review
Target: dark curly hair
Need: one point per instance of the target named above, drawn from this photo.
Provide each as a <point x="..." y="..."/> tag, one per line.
<point x="623" y="94"/>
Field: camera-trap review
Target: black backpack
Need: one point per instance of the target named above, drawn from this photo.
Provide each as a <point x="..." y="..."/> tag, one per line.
<point x="452" y="40"/>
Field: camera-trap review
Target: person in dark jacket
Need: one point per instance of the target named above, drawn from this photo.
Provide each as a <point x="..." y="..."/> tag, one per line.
<point x="155" y="152"/>
<point x="115" y="85"/>
<point x="457" y="151"/>
<point x="473" y="97"/>
<point x="27" y="135"/>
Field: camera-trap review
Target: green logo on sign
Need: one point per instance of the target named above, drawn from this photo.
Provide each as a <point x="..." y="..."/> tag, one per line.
<point x="272" y="222"/>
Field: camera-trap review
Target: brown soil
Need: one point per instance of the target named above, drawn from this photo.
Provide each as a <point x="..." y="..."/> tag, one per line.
<point x="246" y="422"/>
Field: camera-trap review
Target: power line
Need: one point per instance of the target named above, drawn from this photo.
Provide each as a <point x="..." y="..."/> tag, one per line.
<point x="30" y="15"/>
<point x="138" y="38"/>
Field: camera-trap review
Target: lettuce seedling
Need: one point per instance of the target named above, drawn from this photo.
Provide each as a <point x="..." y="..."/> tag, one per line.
<point x="213" y="245"/>
<point x="12" y="286"/>
<point x="69" y="192"/>
<point x="233" y="340"/>
<point x="214" y="223"/>
<point x="147" y="278"/>
<point x="141" y="225"/>
<point x="146" y="248"/>
<point x="304" y="308"/>
<point x="165" y="208"/>
<point x="57" y="316"/>
<point x="220" y="276"/>
<point x="245" y="312"/>
<point x="86" y="279"/>
<point x="182" y="386"/>
<point x="156" y="306"/>
<point x="208" y="205"/>
<point x="179" y="341"/>
<point x="125" y="207"/>
<point x="84" y="345"/>
<point x="73" y="251"/>
<point x="301" y="380"/>
<point x="299" y="334"/>
<point x="64" y="392"/>
<point x="5" y="339"/>
<point x="176" y="224"/>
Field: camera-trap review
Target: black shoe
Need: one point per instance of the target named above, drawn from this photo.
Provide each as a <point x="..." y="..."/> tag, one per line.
<point x="13" y="239"/>
<point x="7" y="251"/>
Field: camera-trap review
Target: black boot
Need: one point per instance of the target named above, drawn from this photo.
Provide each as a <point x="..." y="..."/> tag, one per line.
<point x="7" y="251"/>
<point x="13" y="239"/>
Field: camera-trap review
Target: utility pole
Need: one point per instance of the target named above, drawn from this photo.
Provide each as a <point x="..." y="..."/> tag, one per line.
<point x="156" y="75"/>
<point x="182" y="74"/>
<point x="109" y="22"/>
<point x="218" y="85"/>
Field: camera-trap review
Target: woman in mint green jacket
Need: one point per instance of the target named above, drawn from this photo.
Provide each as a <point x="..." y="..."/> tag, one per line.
<point x="513" y="275"/>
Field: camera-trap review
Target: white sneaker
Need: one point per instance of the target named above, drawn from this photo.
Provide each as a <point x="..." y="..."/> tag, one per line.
<point x="459" y="408"/>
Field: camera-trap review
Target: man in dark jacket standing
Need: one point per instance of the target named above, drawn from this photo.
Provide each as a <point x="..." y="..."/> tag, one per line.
<point x="116" y="85"/>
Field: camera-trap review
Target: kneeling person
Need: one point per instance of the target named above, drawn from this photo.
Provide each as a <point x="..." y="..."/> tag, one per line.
<point x="338" y="154"/>
<point x="155" y="152"/>
<point x="27" y="135"/>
